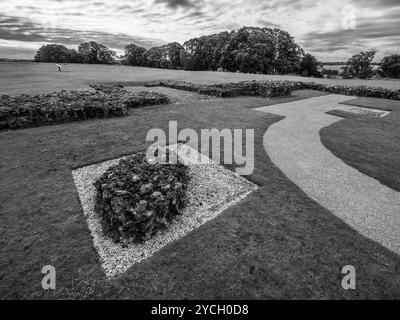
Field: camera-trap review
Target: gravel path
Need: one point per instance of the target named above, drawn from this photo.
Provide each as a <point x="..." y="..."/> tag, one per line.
<point x="294" y="145"/>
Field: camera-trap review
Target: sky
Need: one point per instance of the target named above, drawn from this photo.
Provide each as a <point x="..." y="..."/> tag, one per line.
<point x="332" y="30"/>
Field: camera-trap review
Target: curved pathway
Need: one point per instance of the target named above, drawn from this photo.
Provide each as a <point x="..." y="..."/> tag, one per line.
<point x="294" y="145"/>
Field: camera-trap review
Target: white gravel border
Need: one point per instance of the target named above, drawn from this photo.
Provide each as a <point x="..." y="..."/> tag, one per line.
<point x="211" y="190"/>
<point x="361" y="110"/>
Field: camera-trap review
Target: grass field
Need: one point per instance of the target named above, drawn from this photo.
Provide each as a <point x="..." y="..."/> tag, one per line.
<point x="339" y="66"/>
<point x="18" y="78"/>
<point x="275" y="244"/>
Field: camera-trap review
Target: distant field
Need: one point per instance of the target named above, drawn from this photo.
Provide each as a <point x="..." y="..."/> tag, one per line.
<point x="337" y="67"/>
<point x="332" y="67"/>
<point x="16" y="78"/>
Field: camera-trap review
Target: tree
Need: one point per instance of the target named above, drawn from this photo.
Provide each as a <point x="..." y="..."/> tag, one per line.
<point x="252" y="50"/>
<point x="390" y="66"/>
<point x="172" y="53"/>
<point x="359" y="65"/>
<point x="167" y="56"/>
<point x="154" y="58"/>
<point x="106" y="55"/>
<point x="54" y="53"/>
<point x="74" y="56"/>
<point x="249" y="49"/>
<point x="309" y="66"/>
<point x="204" y="53"/>
<point x="92" y="52"/>
<point x="134" y="55"/>
<point x="288" y="54"/>
<point x="215" y="45"/>
<point x="229" y="61"/>
<point x="193" y="55"/>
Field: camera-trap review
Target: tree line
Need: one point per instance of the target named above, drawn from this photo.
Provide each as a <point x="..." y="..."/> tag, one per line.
<point x="247" y="50"/>
<point x="89" y="52"/>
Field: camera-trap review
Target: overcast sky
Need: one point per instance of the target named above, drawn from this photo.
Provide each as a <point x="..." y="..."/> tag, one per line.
<point x="323" y="27"/>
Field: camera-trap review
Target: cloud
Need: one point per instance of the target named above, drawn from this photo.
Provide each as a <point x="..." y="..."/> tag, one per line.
<point x="315" y="24"/>
<point x="177" y="3"/>
<point x="380" y="33"/>
<point x="382" y="4"/>
<point x="13" y="28"/>
<point x="267" y="24"/>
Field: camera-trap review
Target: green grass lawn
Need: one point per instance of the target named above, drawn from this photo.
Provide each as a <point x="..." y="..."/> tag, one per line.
<point x="277" y="243"/>
<point x="19" y="78"/>
<point x="371" y="145"/>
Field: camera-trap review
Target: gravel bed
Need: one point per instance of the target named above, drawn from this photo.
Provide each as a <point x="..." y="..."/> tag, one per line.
<point x="362" y="111"/>
<point x="176" y="96"/>
<point x="211" y="190"/>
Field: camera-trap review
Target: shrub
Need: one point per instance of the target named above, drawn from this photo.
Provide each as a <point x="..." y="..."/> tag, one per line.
<point x="135" y="199"/>
<point x="390" y="66"/>
<point x="359" y="65"/>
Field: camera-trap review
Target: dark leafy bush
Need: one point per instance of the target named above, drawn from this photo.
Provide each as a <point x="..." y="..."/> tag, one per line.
<point x="25" y="110"/>
<point x="135" y="199"/>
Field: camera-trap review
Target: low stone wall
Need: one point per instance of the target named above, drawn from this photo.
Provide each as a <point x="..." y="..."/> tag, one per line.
<point x="26" y="111"/>
<point x="277" y="88"/>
